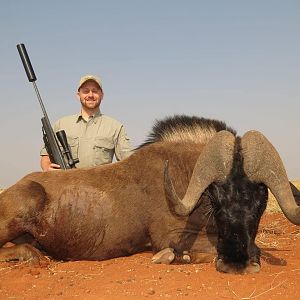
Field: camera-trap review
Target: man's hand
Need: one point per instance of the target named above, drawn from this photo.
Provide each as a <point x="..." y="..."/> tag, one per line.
<point x="53" y="167"/>
<point x="47" y="165"/>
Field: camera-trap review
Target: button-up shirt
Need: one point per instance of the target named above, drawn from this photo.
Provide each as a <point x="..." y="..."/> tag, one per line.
<point x="94" y="141"/>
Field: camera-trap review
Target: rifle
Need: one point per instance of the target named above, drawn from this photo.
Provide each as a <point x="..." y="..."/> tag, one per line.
<point x="63" y="158"/>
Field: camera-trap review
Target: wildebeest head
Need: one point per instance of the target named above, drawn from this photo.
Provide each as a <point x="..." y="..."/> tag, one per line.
<point x="235" y="173"/>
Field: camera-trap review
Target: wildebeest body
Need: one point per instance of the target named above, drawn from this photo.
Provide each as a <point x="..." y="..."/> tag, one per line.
<point x="109" y="213"/>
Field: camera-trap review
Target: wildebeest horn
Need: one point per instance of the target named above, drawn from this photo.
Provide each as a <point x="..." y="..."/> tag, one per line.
<point x="263" y="164"/>
<point x="213" y="165"/>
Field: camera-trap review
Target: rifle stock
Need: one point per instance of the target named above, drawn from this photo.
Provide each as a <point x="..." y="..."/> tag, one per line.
<point x="49" y="137"/>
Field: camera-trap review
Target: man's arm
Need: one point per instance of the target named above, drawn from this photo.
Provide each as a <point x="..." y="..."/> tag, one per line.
<point x="123" y="147"/>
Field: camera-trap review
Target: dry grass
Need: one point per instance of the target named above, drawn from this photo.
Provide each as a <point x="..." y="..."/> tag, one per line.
<point x="272" y="203"/>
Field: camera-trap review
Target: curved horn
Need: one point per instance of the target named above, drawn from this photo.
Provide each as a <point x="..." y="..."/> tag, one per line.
<point x="213" y="165"/>
<point x="263" y="164"/>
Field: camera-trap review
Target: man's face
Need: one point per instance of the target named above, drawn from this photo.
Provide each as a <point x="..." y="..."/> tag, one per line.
<point x="90" y="95"/>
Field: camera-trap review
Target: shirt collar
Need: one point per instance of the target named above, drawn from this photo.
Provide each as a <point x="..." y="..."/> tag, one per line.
<point x="94" y="118"/>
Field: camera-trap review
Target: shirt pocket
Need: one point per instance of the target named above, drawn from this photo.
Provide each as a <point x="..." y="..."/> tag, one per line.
<point x="73" y="142"/>
<point x="103" y="150"/>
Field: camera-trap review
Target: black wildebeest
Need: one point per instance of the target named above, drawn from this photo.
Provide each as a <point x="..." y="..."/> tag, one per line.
<point x="192" y="189"/>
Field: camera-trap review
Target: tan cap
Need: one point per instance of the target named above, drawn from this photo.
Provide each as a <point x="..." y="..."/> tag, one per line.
<point x="86" y="78"/>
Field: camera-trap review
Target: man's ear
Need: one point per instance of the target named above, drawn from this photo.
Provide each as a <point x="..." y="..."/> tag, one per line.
<point x="77" y="95"/>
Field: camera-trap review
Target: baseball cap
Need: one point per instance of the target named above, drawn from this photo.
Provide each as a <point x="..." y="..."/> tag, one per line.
<point x="86" y="78"/>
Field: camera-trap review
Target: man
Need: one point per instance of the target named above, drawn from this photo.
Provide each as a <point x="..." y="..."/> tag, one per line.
<point x="93" y="137"/>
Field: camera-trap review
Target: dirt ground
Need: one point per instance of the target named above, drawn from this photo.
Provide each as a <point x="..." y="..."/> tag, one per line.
<point x="135" y="277"/>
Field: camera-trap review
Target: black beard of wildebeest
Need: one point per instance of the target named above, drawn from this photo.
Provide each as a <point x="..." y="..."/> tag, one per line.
<point x="193" y="191"/>
<point x="237" y="214"/>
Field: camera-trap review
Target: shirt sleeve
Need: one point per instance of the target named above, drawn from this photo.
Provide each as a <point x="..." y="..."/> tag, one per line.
<point x="43" y="151"/>
<point x="123" y="147"/>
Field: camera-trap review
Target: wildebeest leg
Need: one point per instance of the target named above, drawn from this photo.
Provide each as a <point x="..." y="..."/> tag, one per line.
<point x="23" y="252"/>
<point x="202" y="250"/>
<point x="168" y="256"/>
<point x="25" y="238"/>
<point x="19" y="206"/>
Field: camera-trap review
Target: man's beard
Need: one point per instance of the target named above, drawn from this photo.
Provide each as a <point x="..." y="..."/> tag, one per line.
<point x="90" y="105"/>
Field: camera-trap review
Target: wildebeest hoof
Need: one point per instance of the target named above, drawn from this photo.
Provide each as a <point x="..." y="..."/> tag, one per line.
<point x="165" y="256"/>
<point x="186" y="257"/>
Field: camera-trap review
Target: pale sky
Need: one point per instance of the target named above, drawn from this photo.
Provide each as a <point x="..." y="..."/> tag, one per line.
<point x="236" y="61"/>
